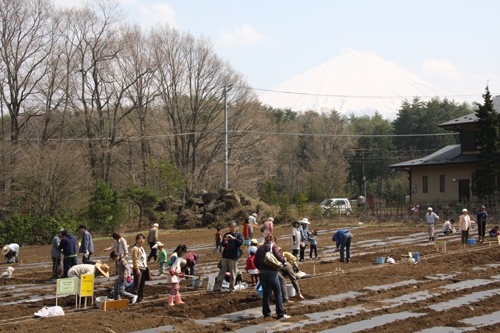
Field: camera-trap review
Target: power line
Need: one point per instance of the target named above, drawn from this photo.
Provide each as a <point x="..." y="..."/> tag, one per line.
<point x="364" y="96"/>
<point x="239" y="131"/>
<point x="344" y="135"/>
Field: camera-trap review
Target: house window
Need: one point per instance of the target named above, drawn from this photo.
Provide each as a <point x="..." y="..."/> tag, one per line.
<point x="441" y="183"/>
<point x="425" y="189"/>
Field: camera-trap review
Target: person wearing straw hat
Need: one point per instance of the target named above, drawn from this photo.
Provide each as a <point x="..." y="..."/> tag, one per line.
<point x="11" y="252"/>
<point x="82" y="269"/>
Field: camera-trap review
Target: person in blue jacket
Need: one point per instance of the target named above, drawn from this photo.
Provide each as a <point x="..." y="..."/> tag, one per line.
<point x="68" y="248"/>
<point x="342" y="239"/>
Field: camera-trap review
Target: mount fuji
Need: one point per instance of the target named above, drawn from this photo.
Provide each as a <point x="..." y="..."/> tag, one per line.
<point x="354" y="82"/>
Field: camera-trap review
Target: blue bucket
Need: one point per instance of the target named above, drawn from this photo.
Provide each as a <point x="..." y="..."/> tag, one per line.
<point x="380" y="260"/>
<point x="260" y="292"/>
<point x="471" y="241"/>
<point x="415" y="256"/>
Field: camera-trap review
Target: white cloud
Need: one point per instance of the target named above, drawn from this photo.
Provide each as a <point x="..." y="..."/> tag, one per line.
<point x="441" y="68"/>
<point x="243" y="36"/>
<point x="157" y="13"/>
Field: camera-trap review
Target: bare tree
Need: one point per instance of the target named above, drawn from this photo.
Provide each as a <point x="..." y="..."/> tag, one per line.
<point x="138" y="62"/>
<point x="192" y="79"/>
<point x="27" y="37"/>
<point x="54" y="179"/>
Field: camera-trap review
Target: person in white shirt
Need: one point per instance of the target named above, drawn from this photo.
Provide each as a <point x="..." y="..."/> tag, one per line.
<point x="448" y="229"/>
<point x="253" y="223"/>
<point x="465" y="224"/>
<point x="431" y="222"/>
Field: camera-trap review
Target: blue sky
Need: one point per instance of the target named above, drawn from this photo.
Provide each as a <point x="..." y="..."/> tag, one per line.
<point x="452" y="44"/>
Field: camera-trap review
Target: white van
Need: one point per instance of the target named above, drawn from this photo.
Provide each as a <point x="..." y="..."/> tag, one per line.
<point x="336" y="206"/>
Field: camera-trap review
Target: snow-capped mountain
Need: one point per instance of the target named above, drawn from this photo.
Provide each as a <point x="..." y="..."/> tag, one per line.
<point x="354" y="82"/>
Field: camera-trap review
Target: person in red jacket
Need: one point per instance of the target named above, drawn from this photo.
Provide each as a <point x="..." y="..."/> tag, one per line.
<point x="250" y="267"/>
<point x="246" y="233"/>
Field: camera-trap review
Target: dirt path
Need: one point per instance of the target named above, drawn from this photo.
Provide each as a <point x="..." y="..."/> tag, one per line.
<point x="455" y="290"/>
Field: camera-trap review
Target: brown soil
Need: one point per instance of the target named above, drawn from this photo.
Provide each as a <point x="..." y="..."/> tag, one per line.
<point x="360" y="273"/>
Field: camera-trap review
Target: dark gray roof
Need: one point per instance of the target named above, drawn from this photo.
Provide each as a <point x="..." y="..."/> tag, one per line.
<point x="470" y="118"/>
<point x="448" y="155"/>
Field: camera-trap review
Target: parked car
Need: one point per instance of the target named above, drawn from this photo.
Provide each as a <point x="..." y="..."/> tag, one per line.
<point x="336" y="206"/>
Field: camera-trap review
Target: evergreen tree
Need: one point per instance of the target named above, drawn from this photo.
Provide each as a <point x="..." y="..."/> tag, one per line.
<point x="487" y="136"/>
<point x="104" y="210"/>
<point x="302" y="203"/>
<point x="285" y="207"/>
<point x="144" y="197"/>
<point x="270" y="196"/>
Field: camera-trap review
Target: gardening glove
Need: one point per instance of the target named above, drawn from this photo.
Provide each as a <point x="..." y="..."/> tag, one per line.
<point x="172" y="272"/>
<point x="181" y="274"/>
<point x="129" y="279"/>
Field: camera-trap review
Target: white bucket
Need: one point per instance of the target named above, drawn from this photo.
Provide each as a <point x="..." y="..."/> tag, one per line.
<point x="290" y="290"/>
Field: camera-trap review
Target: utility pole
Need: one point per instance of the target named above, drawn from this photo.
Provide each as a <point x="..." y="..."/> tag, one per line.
<point x="364" y="180"/>
<point x="226" y="149"/>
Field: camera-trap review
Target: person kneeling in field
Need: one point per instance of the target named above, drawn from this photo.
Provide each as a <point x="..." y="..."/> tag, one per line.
<point x="290" y="270"/>
<point x="448" y="229"/>
<point x="495" y="231"/>
<point x="123" y="272"/>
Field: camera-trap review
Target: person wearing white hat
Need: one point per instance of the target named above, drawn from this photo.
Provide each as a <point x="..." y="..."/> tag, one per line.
<point x="268" y="227"/>
<point x="465" y="224"/>
<point x="152" y="239"/>
<point x="253" y="223"/>
<point x="304" y="235"/>
<point x="431" y="222"/>
<point x="11" y="252"/>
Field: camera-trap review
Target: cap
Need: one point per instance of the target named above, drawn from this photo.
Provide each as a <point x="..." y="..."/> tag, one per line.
<point x="270" y="219"/>
<point x="156" y="225"/>
<point x="254" y="214"/>
<point x="430" y="208"/>
<point x="465" y="210"/>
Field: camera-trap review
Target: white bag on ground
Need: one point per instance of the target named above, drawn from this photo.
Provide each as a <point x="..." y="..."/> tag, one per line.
<point x="50" y="311"/>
